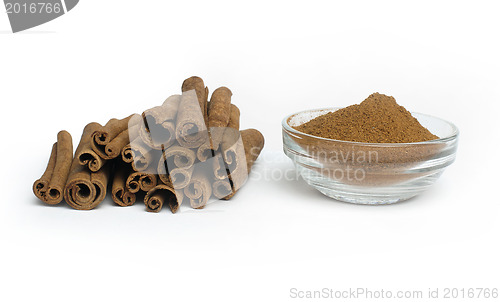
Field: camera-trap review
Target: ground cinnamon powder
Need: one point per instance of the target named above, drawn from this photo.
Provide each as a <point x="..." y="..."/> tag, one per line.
<point x="378" y="119"/>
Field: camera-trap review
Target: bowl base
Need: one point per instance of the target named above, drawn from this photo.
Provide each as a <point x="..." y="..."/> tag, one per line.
<point x="372" y="199"/>
<point x="368" y="195"/>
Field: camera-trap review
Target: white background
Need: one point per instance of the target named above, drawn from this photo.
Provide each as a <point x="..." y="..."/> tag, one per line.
<point x="108" y="59"/>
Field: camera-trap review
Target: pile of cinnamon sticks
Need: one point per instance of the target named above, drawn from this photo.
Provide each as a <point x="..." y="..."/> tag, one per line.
<point x="188" y="148"/>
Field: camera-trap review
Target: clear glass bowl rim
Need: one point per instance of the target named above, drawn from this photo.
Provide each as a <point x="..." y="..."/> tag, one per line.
<point x="454" y="133"/>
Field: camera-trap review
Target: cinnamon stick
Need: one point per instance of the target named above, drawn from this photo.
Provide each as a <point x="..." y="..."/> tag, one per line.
<point x="115" y="147"/>
<point x="199" y="189"/>
<point x="108" y="141"/>
<point x="196" y="83"/>
<point x="140" y="181"/>
<point x="175" y="157"/>
<point x="179" y="157"/>
<point x="41" y="185"/>
<point x="222" y="189"/>
<point x="205" y="151"/>
<point x="191" y="129"/>
<point x="158" y="127"/>
<point x="49" y="188"/>
<point x="180" y="177"/>
<point x="230" y="136"/>
<point x="132" y="182"/>
<point x="120" y="194"/>
<point x="148" y="181"/>
<point x="85" y="155"/>
<point x="161" y="194"/>
<point x="234" y="117"/>
<point x="220" y="169"/>
<point x="85" y="189"/>
<point x="240" y="157"/>
<point x="232" y="132"/>
<point x="219" y="113"/>
<point x="142" y="156"/>
<point x="134" y="125"/>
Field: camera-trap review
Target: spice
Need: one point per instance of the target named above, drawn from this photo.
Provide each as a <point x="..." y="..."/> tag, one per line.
<point x="239" y="160"/>
<point x="378" y="119"/>
<point x="108" y="141"/>
<point x="197" y="84"/>
<point x="137" y="181"/>
<point x="199" y="189"/>
<point x="85" y="189"/>
<point x="121" y="196"/>
<point x="85" y="155"/>
<point x="190" y="129"/>
<point x="161" y="194"/>
<point x="219" y="112"/>
<point x="166" y="155"/>
<point x="160" y="121"/>
<point x="49" y="188"/>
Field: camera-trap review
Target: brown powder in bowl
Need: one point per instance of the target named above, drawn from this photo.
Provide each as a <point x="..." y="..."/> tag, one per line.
<point x="378" y="119"/>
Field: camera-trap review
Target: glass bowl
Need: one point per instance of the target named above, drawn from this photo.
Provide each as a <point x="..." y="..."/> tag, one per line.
<point x="369" y="173"/>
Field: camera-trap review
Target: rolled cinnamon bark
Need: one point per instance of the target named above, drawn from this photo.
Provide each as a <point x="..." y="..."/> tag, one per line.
<point x="240" y="157"/>
<point x="196" y="83"/>
<point x="199" y="189"/>
<point x="161" y="194"/>
<point x="205" y="151"/>
<point x="108" y="141"/>
<point x="158" y="127"/>
<point x="115" y="147"/>
<point x="132" y="182"/>
<point x="148" y="181"/>
<point x="234" y="117"/>
<point x="41" y="185"/>
<point x="165" y="179"/>
<point x="49" y="188"/>
<point x="127" y="154"/>
<point x="84" y="189"/>
<point x="222" y="188"/>
<point x="180" y="177"/>
<point x="219" y="113"/>
<point x="253" y="141"/>
<point x="191" y="130"/>
<point x="85" y="155"/>
<point x="143" y="157"/>
<point x="220" y="169"/>
<point x="230" y="136"/>
<point x="120" y="194"/>
<point x="134" y="125"/>
<point x="140" y="181"/>
<point x="178" y="158"/>
<point x="232" y="132"/>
